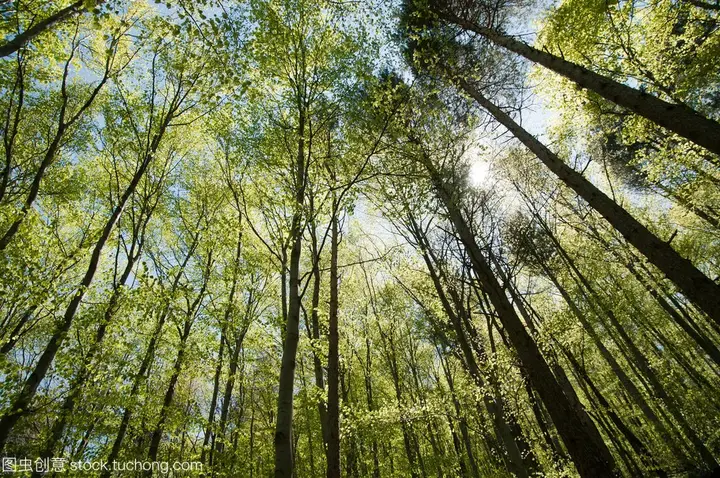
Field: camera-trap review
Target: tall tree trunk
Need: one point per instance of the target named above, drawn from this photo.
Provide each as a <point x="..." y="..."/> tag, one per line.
<point x="333" y="410"/>
<point x="230" y="384"/>
<point x="177" y="367"/>
<point x="470" y="348"/>
<point x="689" y="279"/>
<point x="227" y="316"/>
<point x="83" y="375"/>
<point x="209" y="429"/>
<point x="637" y="445"/>
<point x="445" y="363"/>
<point x="388" y="345"/>
<point x="367" y="373"/>
<point x="315" y="331"/>
<point x="12" y="123"/>
<point x="625" y="381"/>
<point x="140" y="375"/>
<point x="582" y="439"/>
<point x="235" y="350"/>
<point x="677" y="118"/>
<point x="283" y="429"/>
<point x="639" y="360"/>
<point x="22" y="401"/>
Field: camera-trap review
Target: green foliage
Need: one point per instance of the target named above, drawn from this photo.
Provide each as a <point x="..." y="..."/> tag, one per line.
<point x="233" y="129"/>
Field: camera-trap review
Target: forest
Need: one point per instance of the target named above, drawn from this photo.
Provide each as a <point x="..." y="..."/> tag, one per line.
<point x="383" y="238"/>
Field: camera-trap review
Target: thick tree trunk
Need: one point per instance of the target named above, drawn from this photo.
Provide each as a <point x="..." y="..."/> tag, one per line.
<point x="689" y="279"/>
<point x="21" y="39"/>
<point x="677" y="118"/>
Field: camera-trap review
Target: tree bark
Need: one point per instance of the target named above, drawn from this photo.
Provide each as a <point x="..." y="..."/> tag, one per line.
<point x="21" y="39"/>
<point x="283" y="428"/>
<point x="21" y="403"/>
<point x="582" y="439"/>
<point x="333" y="410"/>
<point x="139" y="376"/>
<point x="677" y="118"/>
<point x="695" y="285"/>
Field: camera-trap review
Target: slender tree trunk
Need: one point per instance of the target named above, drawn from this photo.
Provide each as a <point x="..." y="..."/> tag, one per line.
<point x="308" y="421"/>
<point x="235" y="351"/>
<point x="17" y="331"/>
<point x="83" y="375"/>
<point x="21" y="403"/>
<point x="692" y="282"/>
<point x="169" y="394"/>
<point x="11" y="126"/>
<point x="677" y="118"/>
<point x="444" y="362"/>
<point x="63" y="125"/>
<point x="230" y="384"/>
<point x="625" y="381"/>
<point x="391" y="358"/>
<point x="333" y="456"/>
<point x="227" y="317"/>
<point x="590" y="454"/>
<point x="370" y="403"/>
<point x="637" y="445"/>
<point x="283" y="428"/>
<point x="139" y="376"/>
<point x="504" y="432"/>
<point x="701" y="339"/>
<point x="209" y="430"/>
<point x="177" y="367"/>
<point x="315" y="324"/>
<point x="640" y="361"/>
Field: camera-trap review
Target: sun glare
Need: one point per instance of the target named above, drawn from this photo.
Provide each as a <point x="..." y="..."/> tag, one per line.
<point x="479" y="173"/>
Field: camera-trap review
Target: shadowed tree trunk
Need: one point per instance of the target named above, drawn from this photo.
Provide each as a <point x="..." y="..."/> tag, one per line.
<point x="21" y="39"/>
<point x="695" y="285"/>
<point x="582" y="439"/>
<point x="333" y="410"/>
<point x="283" y="426"/>
<point x="677" y="118"/>
<point x="22" y="401"/>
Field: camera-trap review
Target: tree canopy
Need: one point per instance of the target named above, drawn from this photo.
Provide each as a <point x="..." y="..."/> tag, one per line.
<point x="368" y="239"/>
